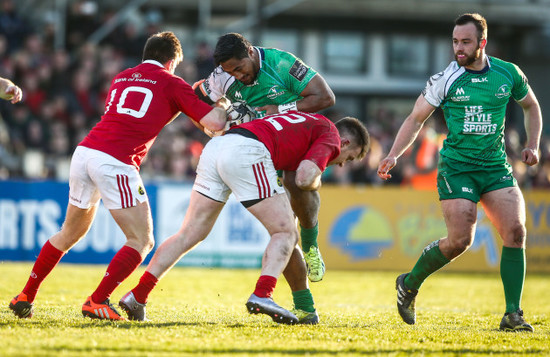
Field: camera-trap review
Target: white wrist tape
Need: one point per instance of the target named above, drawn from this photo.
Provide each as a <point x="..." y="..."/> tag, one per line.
<point x="287" y="107"/>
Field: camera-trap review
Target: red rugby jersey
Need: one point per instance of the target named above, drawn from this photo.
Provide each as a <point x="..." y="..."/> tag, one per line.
<point x="295" y="136"/>
<point x="140" y="102"/>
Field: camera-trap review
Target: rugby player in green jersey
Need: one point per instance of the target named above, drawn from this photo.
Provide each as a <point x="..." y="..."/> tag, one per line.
<point x="473" y="92"/>
<point x="273" y="81"/>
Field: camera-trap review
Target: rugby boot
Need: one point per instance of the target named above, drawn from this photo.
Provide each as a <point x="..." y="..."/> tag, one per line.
<point x="305" y="317"/>
<point x="104" y="311"/>
<point x="134" y="309"/>
<point x="258" y="305"/>
<point x="514" y="321"/>
<point x="21" y="306"/>
<point x="315" y="265"/>
<point x="406" y="300"/>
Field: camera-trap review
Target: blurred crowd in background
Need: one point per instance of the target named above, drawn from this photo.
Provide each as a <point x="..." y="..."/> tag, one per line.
<point x="64" y="91"/>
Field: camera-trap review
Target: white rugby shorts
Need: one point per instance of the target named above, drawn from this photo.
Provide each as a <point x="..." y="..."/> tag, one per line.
<point x="95" y="174"/>
<point x="235" y="163"/>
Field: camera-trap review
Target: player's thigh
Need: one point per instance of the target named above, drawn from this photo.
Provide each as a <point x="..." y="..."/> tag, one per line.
<point x="275" y="214"/>
<point x="505" y="208"/>
<point x="200" y="217"/>
<point x="77" y="223"/>
<point x="460" y="217"/>
<point x="135" y="222"/>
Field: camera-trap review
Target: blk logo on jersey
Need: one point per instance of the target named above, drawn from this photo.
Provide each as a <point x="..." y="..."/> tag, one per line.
<point x="480" y="80"/>
<point x="476" y="122"/>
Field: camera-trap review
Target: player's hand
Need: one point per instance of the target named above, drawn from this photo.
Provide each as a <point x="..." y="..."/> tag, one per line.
<point x="385" y="166"/>
<point x="13" y="94"/>
<point x="530" y="156"/>
<point x="268" y="109"/>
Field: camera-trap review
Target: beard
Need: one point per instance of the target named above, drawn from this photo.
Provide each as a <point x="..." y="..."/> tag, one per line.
<point x="470" y="59"/>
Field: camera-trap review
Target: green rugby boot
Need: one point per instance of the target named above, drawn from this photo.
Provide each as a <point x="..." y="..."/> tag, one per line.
<point x="514" y="321"/>
<point x="315" y="265"/>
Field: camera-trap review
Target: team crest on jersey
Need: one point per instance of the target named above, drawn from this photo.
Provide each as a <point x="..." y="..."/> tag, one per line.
<point x="503" y="91"/>
<point x="274" y="92"/>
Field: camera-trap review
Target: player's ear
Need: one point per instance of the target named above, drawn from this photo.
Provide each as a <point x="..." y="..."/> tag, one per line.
<point x="483" y="43"/>
<point x="344" y="142"/>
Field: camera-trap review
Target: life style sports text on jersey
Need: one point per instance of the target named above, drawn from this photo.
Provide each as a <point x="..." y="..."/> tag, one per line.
<point x="474" y="105"/>
<point x="281" y="78"/>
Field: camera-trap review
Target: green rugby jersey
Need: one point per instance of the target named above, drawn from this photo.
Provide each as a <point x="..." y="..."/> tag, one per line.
<point x="474" y="104"/>
<point x="281" y="79"/>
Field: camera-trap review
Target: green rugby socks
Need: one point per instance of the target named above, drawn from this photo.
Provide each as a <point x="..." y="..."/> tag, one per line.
<point x="512" y="273"/>
<point x="303" y="300"/>
<point x="309" y="237"/>
<point x="430" y="261"/>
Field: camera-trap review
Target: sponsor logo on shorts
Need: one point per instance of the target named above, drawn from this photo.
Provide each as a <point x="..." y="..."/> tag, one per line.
<point x="202" y="186"/>
<point x="505" y="178"/>
<point x="141" y="191"/>
<point x="75" y="199"/>
<point x="467" y="190"/>
<point x="279" y="182"/>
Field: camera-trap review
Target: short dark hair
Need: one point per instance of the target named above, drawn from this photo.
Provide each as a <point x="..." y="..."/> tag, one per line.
<point x="356" y="131"/>
<point x="163" y="47"/>
<point x="476" y="19"/>
<point x="231" y="45"/>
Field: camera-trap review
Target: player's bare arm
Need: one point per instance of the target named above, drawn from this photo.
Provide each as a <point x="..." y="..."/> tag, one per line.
<point x="214" y="120"/>
<point x="9" y="91"/>
<point x="406" y="135"/>
<point x="533" y="128"/>
<point x="308" y="176"/>
<point x="317" y="96"/>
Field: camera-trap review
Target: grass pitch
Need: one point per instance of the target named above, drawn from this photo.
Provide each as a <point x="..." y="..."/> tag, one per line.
<point x="201" y="312"/>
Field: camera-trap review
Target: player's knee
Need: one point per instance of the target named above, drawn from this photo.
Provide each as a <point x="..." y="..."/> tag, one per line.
<point x="459" y="245"/>
<point x="518" y="235"/>
<point x="145" y="242"/>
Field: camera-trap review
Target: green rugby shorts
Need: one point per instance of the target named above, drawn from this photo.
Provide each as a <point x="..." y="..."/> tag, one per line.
<point x="457" y="179"/>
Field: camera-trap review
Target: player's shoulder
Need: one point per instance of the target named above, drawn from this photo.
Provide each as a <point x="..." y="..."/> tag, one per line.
<point x="451" y="71"/>
<point x="498" y="64"/>
<point x="275" y="56"/>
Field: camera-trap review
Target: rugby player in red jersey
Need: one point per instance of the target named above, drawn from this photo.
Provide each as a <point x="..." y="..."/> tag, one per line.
<point x="244" y="161"/>
<point x="140" y="102"/>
